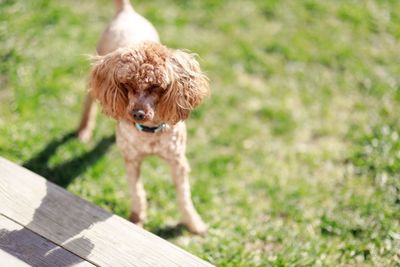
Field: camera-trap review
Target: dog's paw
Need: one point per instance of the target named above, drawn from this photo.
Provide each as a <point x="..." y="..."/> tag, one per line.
<point x="84" y="135"/>
<point x="196" y="226"/>
<point x="136" y="219"/>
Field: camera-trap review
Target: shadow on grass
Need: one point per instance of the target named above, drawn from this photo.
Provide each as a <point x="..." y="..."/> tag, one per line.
<point x="63" y="174"/>
<point x="169" y="231"/>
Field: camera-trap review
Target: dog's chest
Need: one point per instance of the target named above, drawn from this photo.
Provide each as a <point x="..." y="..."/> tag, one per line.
<point x="134" y="143"/>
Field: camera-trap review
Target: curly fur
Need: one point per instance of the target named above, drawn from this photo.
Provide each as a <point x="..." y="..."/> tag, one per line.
<point x="142" y="66"/>
<point x="134" y="74"/>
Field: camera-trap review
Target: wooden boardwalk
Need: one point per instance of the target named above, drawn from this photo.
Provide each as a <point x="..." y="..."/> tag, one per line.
<point x="41" y="224"/>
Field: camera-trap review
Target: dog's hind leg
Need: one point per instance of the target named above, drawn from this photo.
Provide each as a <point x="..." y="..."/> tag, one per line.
<point x="88" y="120"/>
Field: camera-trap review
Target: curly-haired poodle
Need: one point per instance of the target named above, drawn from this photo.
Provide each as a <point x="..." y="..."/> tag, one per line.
<point x="150" y="90"/>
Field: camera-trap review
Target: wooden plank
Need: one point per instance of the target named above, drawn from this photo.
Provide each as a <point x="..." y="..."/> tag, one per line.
<point x="9" y="260"/>
<point x="86" y="230"/>
<point x="22" y="247"/>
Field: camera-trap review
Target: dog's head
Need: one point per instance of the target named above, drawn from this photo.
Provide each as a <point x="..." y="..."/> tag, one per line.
<point x="148" y="83"/>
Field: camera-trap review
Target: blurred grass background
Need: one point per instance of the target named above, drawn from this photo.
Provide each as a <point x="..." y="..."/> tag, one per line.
<point x="296" y="156"/>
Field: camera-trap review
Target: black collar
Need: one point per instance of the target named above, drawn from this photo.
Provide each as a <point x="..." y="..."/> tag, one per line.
<point x="143" y="128"/>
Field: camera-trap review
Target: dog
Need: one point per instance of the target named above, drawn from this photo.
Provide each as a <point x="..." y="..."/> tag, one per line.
<point x="150" y="90"/>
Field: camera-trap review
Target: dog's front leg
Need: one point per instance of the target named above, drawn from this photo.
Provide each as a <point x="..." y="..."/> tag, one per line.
<point x="138" y="195"/>
<point x="190" y="217"/>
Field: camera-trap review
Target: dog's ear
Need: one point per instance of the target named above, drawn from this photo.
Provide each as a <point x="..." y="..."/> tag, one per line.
<point x="106" y="83"/>
<point x="187" y="89"/>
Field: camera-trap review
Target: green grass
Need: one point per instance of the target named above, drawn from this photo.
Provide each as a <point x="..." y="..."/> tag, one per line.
<point x="295" y="157"/>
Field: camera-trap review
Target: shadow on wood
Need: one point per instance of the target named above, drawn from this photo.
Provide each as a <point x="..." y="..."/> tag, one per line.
<point x="34" y="250"/>
<point x="59" y="218"/>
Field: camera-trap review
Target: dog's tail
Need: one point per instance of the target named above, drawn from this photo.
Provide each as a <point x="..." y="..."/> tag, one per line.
<point x="122" y="5"/>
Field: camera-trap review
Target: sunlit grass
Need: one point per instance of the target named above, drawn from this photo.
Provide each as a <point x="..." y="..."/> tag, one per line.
<point x="295" y="156"/>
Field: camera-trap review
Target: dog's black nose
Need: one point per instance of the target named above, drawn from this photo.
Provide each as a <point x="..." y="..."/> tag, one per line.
<point x="138" y="114"/>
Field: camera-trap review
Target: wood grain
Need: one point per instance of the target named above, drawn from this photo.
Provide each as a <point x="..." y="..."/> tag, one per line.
<point x="78" y="226"/>
<point x="22" y="247"/>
